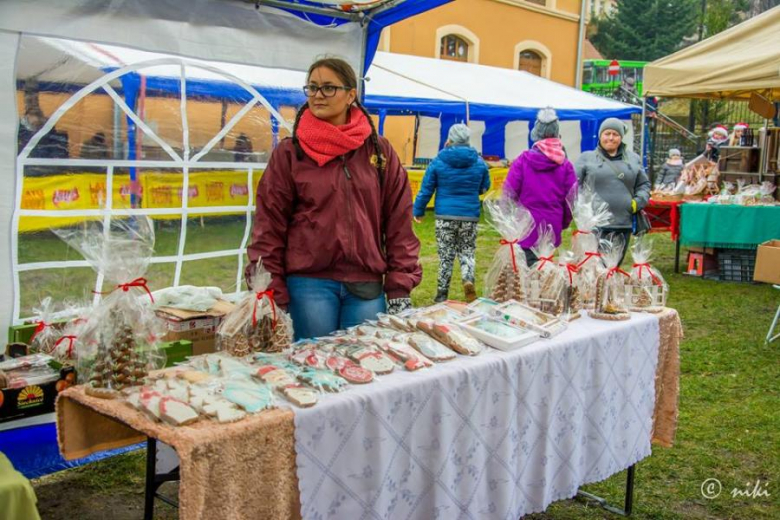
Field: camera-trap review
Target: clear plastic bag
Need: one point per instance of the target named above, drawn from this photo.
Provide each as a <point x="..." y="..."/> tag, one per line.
<point x="648" y="290"/>
<point x="46" y="334"/>
<point x="570" y="271"/>
<point x="257" y="324"/>
<point x="611" y="300"/>
<point x="589" y="212"/>
<point x="117" y="344"/>
<point x="545" y="280"/>
<point x="766" y="194"/>
<point x="506" y="277"/>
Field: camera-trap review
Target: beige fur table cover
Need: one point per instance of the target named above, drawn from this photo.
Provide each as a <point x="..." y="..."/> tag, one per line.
<point x="247" y="469"/>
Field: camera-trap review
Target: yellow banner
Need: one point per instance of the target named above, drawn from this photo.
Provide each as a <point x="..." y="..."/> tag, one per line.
<point x="207" y="188"/>
<point x="497" y="178"/>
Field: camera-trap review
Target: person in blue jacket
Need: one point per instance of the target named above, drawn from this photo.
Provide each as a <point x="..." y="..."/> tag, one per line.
<point x="458" y="176"/>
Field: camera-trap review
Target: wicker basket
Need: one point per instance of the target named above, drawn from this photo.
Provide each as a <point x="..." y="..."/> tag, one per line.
<point x="665" y="197"/>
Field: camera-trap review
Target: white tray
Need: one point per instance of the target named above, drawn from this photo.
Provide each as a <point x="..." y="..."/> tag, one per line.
<point x="520" y="337"/>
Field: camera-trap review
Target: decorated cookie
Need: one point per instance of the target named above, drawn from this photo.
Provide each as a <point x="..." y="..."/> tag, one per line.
<point x="457" y="340"/>
<point x="176" y="412"/>
<point x="299" y="395"/>
<point x="373" y="360"/>
<point x="409" y="357"/>
<point x="249" y="396"/>
<point x="356" y="374"/>
<point x="322" y="380"/>
<point x="430" y="348"/>
<point x="274" y="376"/>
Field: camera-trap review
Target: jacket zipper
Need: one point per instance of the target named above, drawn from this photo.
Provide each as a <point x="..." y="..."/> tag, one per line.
<point x="351" y="232"/>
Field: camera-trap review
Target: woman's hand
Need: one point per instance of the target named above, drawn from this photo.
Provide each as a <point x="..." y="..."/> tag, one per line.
<point x="398" y="305"/>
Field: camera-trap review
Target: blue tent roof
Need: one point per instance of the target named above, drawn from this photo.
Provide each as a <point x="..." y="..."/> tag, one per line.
<point x="375" y="15"/>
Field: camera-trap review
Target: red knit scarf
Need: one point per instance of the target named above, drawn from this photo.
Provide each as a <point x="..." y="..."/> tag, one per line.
<point x="552" y="148"/>
<point x="323" y="141"/>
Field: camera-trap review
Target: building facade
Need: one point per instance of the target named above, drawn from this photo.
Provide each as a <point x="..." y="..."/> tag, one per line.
<point x="537" y="36"/>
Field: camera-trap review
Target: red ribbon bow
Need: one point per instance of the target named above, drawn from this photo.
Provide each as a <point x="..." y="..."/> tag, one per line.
<point x="572" y="269"/>
<point x="616" y="269"/>
<point x="138" y="282"/>
<point x="544" y="260"/>
<point x="511" y="244"/>
<point x="649" y="270"/>
<point x="41" y="325"/>
<point x="588" y="256"/>
<point x="259" y="295"/>
<point x="71" y="340"/>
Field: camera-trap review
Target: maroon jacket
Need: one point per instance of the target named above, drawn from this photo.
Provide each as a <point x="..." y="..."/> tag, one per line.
<point x="327" y="222"/>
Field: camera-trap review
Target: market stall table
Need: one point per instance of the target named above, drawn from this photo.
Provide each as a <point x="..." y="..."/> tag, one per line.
<point x="728" y="225"/>
<point x="587" y="393"/>
<point x="664" y="216"/>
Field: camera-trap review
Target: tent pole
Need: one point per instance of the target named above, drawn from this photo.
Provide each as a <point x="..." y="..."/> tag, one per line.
<point x="362" y="76"/>
<point x="642" y="135"/>
<point x="382" y="117"/>
<point x="580" y="45"/>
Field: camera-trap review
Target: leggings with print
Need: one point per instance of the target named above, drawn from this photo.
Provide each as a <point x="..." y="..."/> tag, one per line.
<point x="455" y="238"/>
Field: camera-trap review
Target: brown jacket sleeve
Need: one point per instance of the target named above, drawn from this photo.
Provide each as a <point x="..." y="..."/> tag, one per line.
<point x="402" y="247"/>
<point x="275" y="203"/>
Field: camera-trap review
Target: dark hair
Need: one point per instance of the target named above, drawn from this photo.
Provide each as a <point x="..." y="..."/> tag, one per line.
<point x="347" y="75"/>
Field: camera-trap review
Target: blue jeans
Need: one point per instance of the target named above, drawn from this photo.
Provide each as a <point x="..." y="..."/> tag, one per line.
<point x="319" y="306"/>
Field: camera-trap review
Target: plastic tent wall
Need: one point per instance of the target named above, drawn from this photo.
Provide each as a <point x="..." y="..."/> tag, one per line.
<point x="231" y="31"/>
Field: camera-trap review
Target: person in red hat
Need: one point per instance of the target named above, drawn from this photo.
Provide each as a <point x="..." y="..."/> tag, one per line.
<point x="718" y="136"/>
<point x="735" y="139"/>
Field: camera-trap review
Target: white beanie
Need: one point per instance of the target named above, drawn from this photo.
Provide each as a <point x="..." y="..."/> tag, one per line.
<point x="459" y="134"/>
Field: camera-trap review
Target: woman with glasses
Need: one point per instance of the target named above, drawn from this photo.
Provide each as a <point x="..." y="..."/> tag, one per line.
<point x="334" y="213"/>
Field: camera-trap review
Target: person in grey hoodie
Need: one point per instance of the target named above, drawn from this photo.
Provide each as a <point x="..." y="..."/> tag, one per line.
<point x="458" y="176"/>
<point x="616" y="174"/>
<point x="671" y="170"/>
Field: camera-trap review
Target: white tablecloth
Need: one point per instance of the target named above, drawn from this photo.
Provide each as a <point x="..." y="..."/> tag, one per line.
<point x="500" y="435"/>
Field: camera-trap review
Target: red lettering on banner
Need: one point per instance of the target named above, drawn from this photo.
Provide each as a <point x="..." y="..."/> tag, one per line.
<point x="239" y="190"/>
<point x="64" y="196"/>
<point x="192" y="192"/>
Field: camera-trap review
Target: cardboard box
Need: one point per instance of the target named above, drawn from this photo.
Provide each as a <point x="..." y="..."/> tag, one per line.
<point x="768" y="262"/>
<point x="31" y="400"/>
<point x="198" y="327"/>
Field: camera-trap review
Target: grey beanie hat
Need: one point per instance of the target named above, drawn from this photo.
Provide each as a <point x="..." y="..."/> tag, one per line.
<point x="613" y="123"/>
<point x="546" y="125"/>
<point x="674" y="151"/>
<point x="459" y="134"/>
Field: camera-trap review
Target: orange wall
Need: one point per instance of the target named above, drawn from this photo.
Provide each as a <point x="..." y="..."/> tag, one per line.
<point x="499" y="27"/>
<point x="95" y="114"/>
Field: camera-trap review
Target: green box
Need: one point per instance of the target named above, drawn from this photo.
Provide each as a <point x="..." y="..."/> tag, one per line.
<point x="176" y="351"/>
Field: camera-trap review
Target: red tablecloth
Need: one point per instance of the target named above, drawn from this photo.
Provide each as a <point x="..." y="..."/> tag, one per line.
<point x="664" y="216"/>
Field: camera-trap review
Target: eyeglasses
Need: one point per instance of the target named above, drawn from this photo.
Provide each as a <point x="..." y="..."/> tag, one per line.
<point x="327" y="90"/>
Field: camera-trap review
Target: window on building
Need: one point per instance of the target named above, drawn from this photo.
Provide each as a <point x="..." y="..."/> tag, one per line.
<point x="454" y="48"/>
<point x="531" y="61"/>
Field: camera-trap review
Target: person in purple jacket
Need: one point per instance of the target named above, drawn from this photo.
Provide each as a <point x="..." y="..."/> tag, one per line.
<point x="540" y="179"/>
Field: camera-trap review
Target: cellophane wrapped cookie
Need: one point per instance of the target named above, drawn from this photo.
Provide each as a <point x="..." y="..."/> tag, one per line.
<point x="589" y="212"/>
<point x="611" y="285"/>
<point x="46" y="334"/>
<point x="117" y="345"/>
<point x="648" y="288"/>
<point x="507" y="276"/>
<point x="546" y="281"/>
<point x="568" y="266"/>
<point x="256" y="324"/>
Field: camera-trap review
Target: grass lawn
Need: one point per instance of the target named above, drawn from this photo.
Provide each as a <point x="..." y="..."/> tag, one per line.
<point x="729" y="420"/>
